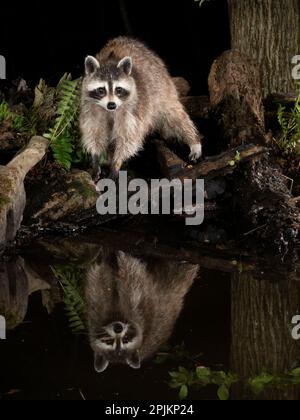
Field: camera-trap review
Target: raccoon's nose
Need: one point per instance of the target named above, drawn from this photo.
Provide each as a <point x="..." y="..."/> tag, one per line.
<point x="111" y="106"/>
<point x="118" y="328"/>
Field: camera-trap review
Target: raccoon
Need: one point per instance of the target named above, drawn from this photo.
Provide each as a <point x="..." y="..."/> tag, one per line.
<point x="132" y="306"/>
<point x="127" y="93"/>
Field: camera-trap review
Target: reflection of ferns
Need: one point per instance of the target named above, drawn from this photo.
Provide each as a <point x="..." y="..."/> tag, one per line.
<point x="63" y="134"/>
<point x="69" y="279"/>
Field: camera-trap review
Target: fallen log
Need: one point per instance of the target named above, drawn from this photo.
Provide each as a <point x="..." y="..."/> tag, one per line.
<point x="12" y="191"/>
<point x="142" y="244"/>
<point x="262" y="194"/>
<point x="226" y="256"/>
<point x="223" y="164"/>
<point x="211" y="167"/>
<point x="208" y="169"/>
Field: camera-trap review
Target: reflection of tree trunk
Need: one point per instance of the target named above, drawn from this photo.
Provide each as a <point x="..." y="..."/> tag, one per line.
<point x="261" y="331"/>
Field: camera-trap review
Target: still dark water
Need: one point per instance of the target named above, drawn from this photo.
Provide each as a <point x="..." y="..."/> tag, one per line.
<point x="63" y="299"/>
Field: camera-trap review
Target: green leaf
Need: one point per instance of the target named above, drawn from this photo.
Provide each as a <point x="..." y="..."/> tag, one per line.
<point x="183" y="370"/>
<point x="173" y="374"/>
<point x="295" y="372"/>
<point x="68" y="278"/>
<point x="63" y="132"/>
<point x="223" y="393"/>
<point x="183" y="393"/>
<point x="237" y="156"/>
<point x="259" y="383"/>
<point x="203" y="372"/>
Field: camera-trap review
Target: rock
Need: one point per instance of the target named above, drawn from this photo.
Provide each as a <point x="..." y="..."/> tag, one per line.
<point x="12" y="191"/>
<point x="74" y="192"/>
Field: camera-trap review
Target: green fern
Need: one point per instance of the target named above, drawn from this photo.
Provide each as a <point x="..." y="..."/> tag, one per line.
<point x="16" y="120"/>
<point x="55" y="115"/>
<point x="289" y="121"/>
<point x="63" y="134"/>
<point x="69" y="280"/>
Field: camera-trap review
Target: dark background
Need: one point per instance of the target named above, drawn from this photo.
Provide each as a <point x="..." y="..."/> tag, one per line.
<point x="47" y="39"/>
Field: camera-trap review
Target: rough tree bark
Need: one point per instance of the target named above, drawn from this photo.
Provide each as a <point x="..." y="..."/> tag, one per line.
<point x="268" y="31"/>
<point x="261" y="317"/>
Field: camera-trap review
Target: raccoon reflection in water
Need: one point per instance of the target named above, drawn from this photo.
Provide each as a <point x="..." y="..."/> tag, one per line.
<point x="132" y="306"/>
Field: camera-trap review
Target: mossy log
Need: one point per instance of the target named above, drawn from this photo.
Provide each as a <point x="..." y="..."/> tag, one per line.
<point x="12" y="192"/>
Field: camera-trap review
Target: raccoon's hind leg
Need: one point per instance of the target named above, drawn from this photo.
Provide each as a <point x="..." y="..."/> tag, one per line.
<point x="96" y="168"/>
<point x="121" y="150"/>
<point x="114" y="159"/>
<point x="176" y="123"/>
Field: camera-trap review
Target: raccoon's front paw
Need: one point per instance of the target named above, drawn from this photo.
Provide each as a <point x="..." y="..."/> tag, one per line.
<point x="96" y="174"/>
<point x="113" y="175"/>
<point x="196" y="152"/>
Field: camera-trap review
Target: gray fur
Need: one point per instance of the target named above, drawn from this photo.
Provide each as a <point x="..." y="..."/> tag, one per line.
<point x="152" y="103"/>
<point x="145" y="299"/>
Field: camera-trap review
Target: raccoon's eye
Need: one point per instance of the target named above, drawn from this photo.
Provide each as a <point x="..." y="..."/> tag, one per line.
<point x="101" y="91"/>
<point x="120" y="91"/>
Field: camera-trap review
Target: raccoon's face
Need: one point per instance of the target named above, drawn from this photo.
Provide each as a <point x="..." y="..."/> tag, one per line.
<point x="117" y="343"/>
<point x="109" y="85"/>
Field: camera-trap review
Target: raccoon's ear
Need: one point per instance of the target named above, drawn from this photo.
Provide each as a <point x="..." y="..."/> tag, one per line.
<point x="100" y="363"/>
<point x="126" y="64"/>
<point x="91" y="64"/>
<point x="134" y="360"/>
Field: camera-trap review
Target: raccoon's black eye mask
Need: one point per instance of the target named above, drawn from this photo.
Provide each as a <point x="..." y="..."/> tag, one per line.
<point x="98" y="93"/>
<point x="122" y="93"/>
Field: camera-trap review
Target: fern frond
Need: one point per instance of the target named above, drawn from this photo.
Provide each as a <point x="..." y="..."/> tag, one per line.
<point x="16" y="120"/>
<point x="289" y="121"/>
<point x="69" y="280"/>
<point x="60" y="135"/>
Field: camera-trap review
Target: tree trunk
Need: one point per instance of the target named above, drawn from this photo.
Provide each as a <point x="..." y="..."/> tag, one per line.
<point x="262" y="194"/>
<point x="268" y="31"/>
